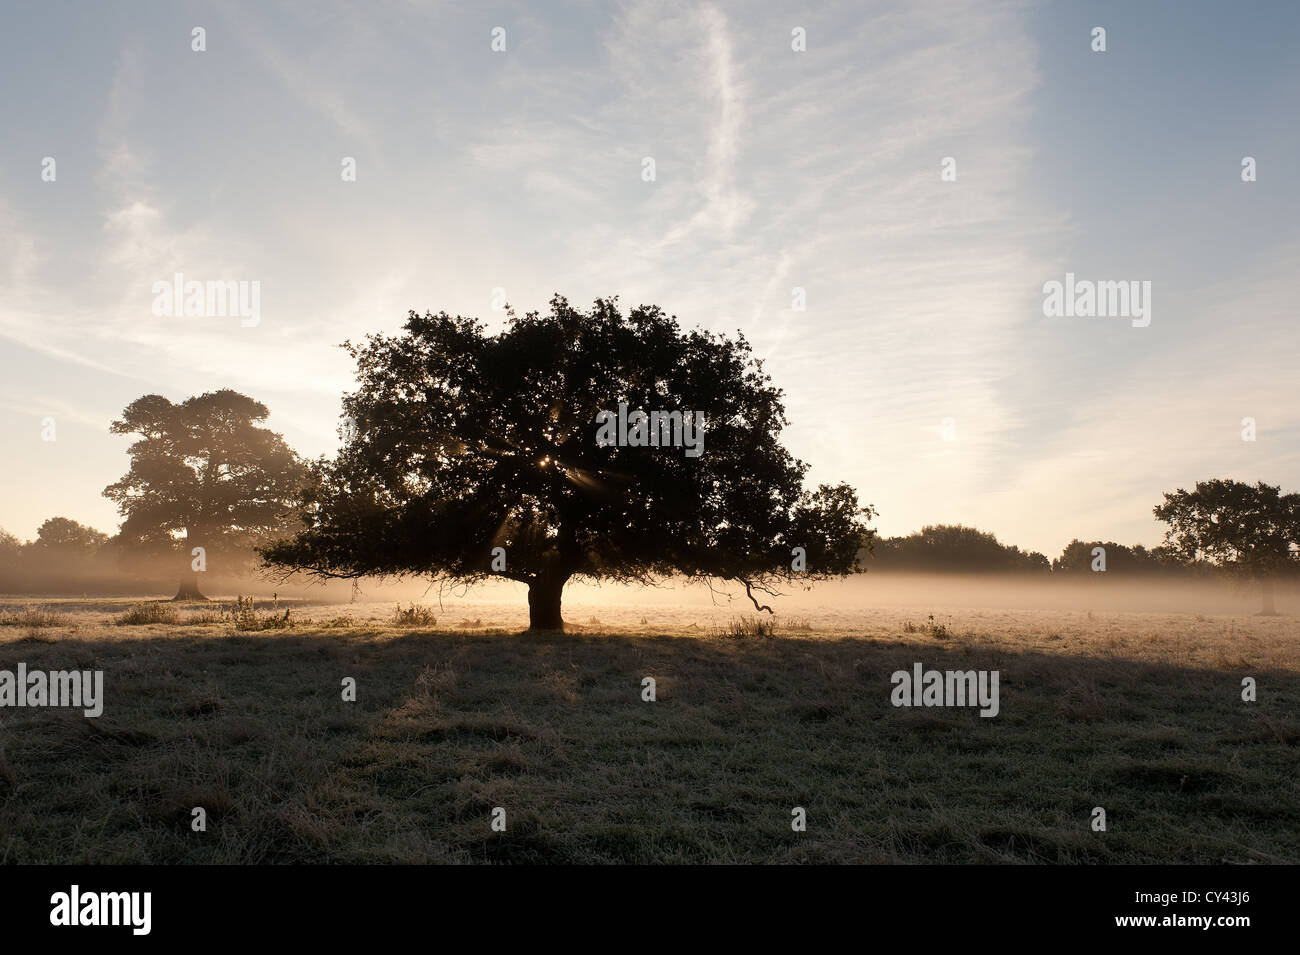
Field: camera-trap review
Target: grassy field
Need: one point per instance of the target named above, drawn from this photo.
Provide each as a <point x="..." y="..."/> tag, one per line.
<point x="1138" y="713"/>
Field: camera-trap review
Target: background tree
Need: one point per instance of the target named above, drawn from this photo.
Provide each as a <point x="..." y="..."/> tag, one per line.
<point x="1253" y="530"/>
<point x="203" y="474"/>
<point x="64" y="556"/>
<point x="955" y="548"/>
<point x="467" y="442"/>
<point x="11" y="549"/>
<point x="10" y="546"/>
<point x="61" y="538"/>
<point x="1077" y="558"/>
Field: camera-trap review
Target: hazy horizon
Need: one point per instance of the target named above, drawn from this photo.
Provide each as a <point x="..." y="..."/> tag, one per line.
<point x="776" y="170"/>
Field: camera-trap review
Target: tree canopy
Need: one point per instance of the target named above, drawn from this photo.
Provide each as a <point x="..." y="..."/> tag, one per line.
<point x="66" y="538"/>
<point x="465" y="442"/>
<point x="1078" y="558"/>
<point x="955" y="548"/>
<point x="203" y="474"/>
<point x="1250" y="529"/>
<point x="10" y="547"/>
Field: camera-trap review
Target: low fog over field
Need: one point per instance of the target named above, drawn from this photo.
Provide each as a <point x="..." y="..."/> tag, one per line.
<point x="856" y="595"/>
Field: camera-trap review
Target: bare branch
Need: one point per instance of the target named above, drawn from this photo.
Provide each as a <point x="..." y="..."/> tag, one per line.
<point x="749" y="592"/>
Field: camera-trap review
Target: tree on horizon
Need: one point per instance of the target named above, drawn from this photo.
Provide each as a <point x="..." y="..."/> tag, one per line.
<point x="956" y="548"/>
<point x="203" y="474"/>
<point x="476" y="456"/>
<point x="64" y="537"/>
<point x="1077" y="558"/>
<point x="1250" y="530"/>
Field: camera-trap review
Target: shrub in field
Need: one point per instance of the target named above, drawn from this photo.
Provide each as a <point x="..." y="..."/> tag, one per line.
<point x="205" y="616"/>
<point x="245" y="616"/>
<point x="415" y="615"/>
<point x="750" y="627"/>
<point x="33" y="617"/>
<point x="145" y="613"/>
<point x="937" y="630"/>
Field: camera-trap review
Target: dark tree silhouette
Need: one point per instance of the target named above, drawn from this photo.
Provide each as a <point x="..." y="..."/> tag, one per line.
<point x="203" y="474"/>
<point x="1077" y="558"/>
<point x="1253" y="530"/>
<point x="955" y="548"/>
<point x="466" y="442"/>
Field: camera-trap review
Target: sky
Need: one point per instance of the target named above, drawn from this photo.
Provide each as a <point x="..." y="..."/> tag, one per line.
<point x="922" y="369"/>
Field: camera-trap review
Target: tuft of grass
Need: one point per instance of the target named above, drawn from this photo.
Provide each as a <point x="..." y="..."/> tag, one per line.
<point x="146" y="613"/>
<point x="1225" y="661"/>
<point x="415" y="615"/>
<point x="205" y="616"/>
<point x="797" y="625"/>
<point x="34" y="635"/>
<point x="1285" y="733"/>
<point x="34" y="617"/>
<point x="1082" y="703"/>
<point x="244" y="616"/>
<point x="936" y="630"/>
<point x="750" y="627"/>
<point x="8" y="779"/>
<point x="436" y="679"/>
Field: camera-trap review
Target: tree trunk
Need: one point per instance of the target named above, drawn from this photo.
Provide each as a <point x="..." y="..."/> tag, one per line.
<point x="189" y="588"/>
<point x="544" y="603"/>
<point x="1269" y="610"/>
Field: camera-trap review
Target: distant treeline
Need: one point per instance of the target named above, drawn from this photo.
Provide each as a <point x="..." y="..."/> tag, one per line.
<point x="955" y="548"/>
<point x="68" y="557"/>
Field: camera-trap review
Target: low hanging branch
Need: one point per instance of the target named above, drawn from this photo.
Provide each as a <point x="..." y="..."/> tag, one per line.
<point x="750" y="594"/>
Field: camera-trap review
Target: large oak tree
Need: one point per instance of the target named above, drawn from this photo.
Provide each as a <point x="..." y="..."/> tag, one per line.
<point x="464" y="442"/>
<point x="203" y="474"/>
